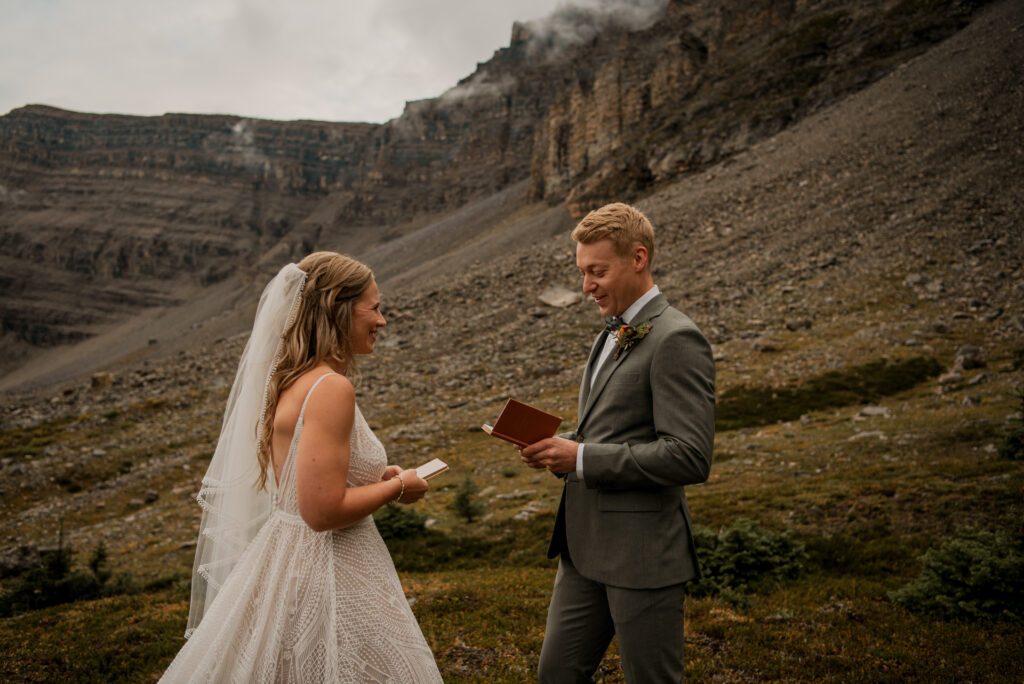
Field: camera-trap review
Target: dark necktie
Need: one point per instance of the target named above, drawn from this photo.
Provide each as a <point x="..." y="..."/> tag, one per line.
<point x="612" y="324"/>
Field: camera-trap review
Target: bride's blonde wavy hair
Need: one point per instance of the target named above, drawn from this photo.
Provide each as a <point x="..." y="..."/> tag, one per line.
<point x="320" y="332"/>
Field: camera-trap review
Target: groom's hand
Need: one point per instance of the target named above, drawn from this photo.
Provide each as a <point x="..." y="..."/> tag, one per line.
<point x="554" y="453"/>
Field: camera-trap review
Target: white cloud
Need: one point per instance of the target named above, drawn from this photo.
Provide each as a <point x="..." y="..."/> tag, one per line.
<point x="341" y="60"/>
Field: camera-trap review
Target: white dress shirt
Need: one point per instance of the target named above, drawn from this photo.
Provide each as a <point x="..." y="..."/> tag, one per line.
<point x="609" y="344"/>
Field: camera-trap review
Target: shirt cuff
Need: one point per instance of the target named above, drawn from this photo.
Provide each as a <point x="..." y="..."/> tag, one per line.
<point x="579" y="462"/>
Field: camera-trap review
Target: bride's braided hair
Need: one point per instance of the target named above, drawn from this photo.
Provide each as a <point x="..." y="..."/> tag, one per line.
<point x="320" y="332"/>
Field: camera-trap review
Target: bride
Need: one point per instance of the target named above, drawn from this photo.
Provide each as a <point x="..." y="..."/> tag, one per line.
<point x="292" y="582"/>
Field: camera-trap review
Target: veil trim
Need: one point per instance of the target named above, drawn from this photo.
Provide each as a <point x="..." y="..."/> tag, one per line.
<point x="233" y="509"/>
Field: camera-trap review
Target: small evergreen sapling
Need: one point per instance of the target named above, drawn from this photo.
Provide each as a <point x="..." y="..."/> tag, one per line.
<point x="465" y="503"/>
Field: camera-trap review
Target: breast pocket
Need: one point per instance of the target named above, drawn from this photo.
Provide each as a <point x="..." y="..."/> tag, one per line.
<point x="630" y="501"/>
<point x="624" y="378"/>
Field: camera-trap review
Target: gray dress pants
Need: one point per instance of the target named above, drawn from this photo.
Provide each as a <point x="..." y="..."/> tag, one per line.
<point x="583" y="617"/>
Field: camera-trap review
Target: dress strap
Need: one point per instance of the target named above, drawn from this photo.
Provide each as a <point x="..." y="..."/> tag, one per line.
<point x="305" y="401"/>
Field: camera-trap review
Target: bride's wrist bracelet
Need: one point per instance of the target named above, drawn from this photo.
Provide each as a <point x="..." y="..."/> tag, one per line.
<point x="401" y="493"/>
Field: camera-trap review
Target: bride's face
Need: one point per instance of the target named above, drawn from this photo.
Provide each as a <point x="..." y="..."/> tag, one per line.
<point x="366" y="319"/>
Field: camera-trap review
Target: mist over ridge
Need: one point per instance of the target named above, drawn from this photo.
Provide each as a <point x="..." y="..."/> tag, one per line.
<point x="111" y="219"/>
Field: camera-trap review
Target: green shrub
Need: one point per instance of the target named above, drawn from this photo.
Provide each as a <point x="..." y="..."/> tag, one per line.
<point x="398" y="522"/>
<point x="1012" y="445"/>
<point x="976" y="575"/>
<point x="51" y="582"/>
<point x="465" y="503"/>
<point x="741" y="557"/>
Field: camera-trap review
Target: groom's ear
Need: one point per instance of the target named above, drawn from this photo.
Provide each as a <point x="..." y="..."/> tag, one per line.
<point x="639" y="258"/>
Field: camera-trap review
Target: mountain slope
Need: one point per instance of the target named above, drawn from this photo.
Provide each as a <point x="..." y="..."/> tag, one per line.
<point x="114" y="221"/>
<point x="882" y="228"/>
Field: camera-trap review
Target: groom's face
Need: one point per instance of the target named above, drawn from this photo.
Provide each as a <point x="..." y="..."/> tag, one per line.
<point x="611" y="280"/>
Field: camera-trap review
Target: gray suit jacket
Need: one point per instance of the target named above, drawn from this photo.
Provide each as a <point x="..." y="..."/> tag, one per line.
<point x="648" y="427"/>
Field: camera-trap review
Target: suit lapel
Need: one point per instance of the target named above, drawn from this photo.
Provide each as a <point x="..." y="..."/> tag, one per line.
<point x="588" y="397"/>
<point x="595" y="351"/>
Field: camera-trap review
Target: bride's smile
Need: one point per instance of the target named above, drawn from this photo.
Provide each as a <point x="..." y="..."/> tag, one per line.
<point x="366" y="320"/>
<point x="292" y="580"/>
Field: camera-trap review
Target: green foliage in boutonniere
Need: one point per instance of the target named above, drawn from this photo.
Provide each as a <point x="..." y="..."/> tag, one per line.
<point x="629" y="335"/>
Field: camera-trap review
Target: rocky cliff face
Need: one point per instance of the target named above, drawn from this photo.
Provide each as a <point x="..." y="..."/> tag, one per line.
<point x="103" y="216"/>
<point x="707" y="80"/>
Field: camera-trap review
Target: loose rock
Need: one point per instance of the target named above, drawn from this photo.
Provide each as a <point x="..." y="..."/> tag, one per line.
<point x="560" y="297"/>
<point x="968" y="357"/>
<point x="868" y="435"/>
<point x="874" y="411"/>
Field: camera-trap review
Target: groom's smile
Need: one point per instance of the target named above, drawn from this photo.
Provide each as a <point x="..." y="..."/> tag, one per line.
<point x="613" y="281"/>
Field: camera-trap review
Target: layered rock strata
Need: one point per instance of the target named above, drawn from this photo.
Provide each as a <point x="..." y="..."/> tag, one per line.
<point x="102" y="216"/>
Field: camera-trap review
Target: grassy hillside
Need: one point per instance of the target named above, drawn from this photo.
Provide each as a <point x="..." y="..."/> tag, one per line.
<point x="842" y="271"/>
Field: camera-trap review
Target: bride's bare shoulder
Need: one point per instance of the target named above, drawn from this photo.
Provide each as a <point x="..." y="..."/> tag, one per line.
<point x="335" y="392"/>
<point x="296" y="393"/>
<point x="304" y="383"/>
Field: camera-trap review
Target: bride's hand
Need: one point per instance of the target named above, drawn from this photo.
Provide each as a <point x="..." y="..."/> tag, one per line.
<point x="390" y="472"/>
<point x="415" y="486"/>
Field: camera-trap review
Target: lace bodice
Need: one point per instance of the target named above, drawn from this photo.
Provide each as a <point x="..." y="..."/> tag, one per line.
<point x="366" y="465"/>
<point x="306" y="606"/>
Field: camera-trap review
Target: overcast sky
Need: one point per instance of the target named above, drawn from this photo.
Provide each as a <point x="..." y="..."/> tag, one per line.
<point x="335" y="60"/>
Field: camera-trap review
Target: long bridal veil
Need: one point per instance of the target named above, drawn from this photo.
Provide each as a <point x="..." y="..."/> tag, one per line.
<point x="233" y="509"/>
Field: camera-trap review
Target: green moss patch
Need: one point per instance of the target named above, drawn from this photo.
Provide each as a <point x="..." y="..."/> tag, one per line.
<point x="749" y="406"/>
<point x="511" y="543"/>
<point x="30" y="441"/>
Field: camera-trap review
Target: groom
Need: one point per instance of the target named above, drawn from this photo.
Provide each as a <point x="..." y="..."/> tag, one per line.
<point x="645" y="429"/>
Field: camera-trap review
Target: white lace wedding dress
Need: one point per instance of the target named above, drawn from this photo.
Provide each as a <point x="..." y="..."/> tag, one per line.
<point x="306" y="607"/>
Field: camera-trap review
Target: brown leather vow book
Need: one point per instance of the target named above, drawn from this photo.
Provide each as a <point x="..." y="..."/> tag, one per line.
<point x="523" y="424"/>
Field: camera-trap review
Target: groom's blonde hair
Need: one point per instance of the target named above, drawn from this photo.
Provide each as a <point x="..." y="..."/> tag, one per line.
<point x="625" y="226"/>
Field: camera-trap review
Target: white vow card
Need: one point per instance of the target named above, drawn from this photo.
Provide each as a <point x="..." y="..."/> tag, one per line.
<point x="432" y="468"/>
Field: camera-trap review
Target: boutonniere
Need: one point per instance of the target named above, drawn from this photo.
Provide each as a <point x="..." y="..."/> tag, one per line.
<point x="628" y="335"/>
